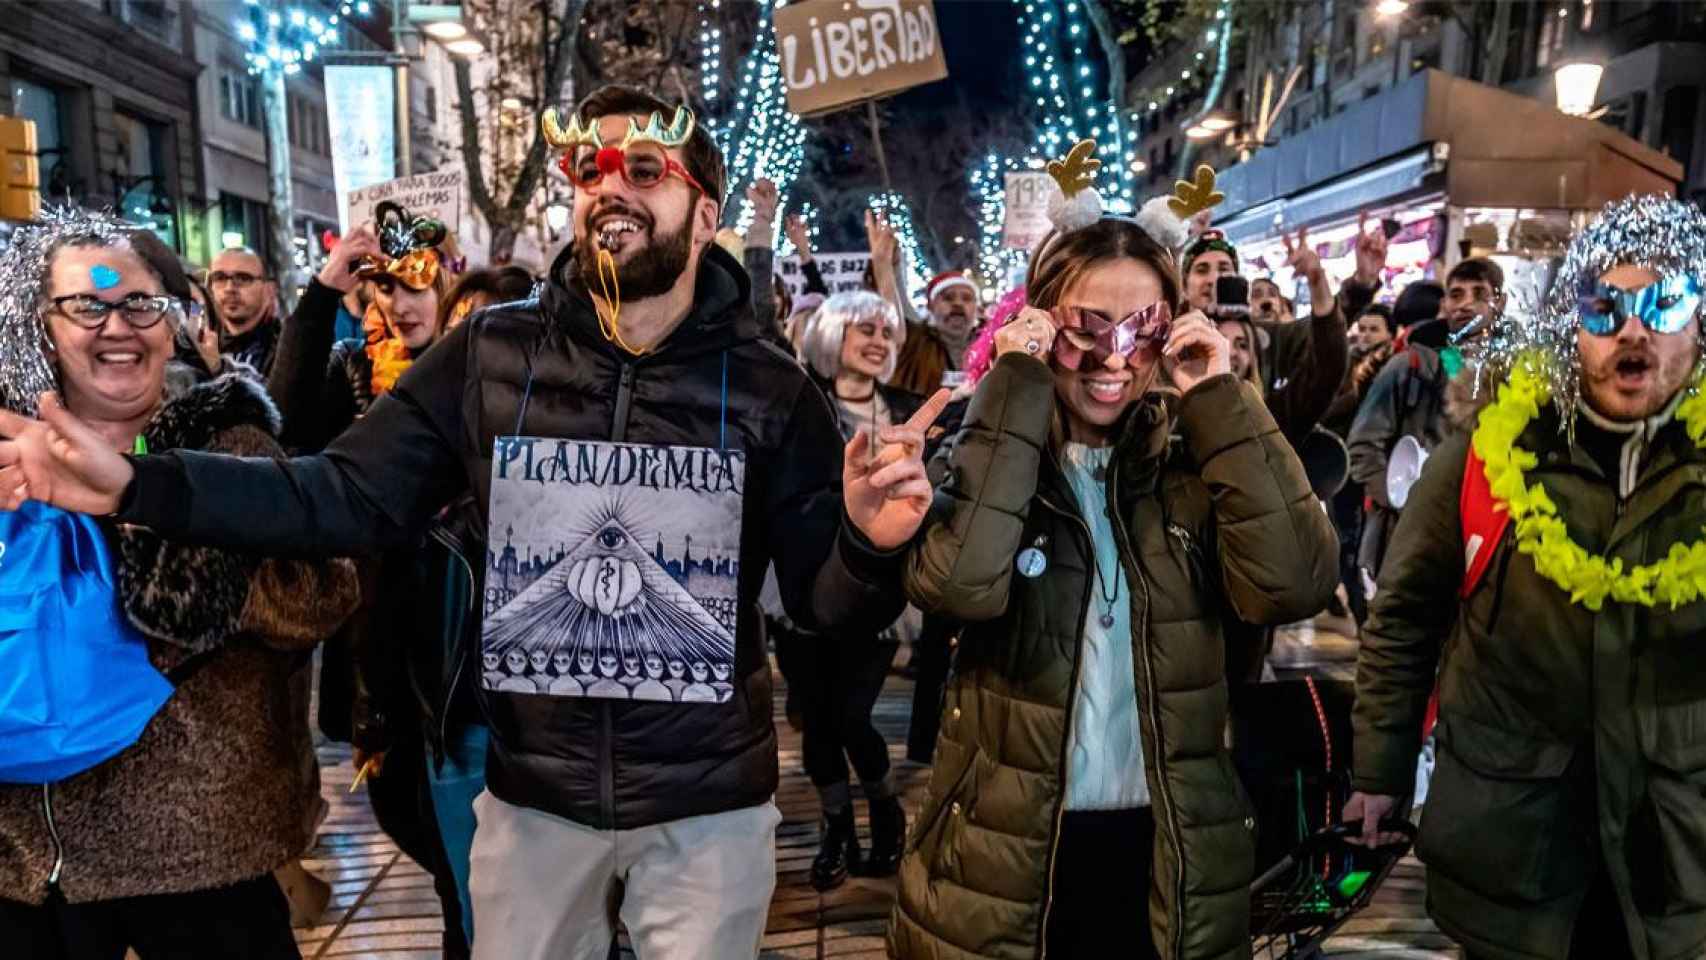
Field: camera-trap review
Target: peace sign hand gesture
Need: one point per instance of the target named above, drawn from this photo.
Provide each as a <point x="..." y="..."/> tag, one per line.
<point x="887" y="496"/>
<point x="1303" y="259"/>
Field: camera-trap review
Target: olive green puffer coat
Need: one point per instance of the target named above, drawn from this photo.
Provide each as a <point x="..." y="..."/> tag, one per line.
<point x="1569" y="741"/>
<point x="1226" y="525"/>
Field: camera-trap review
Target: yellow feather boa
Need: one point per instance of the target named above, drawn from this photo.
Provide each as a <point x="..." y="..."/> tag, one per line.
<point x="387" y="352"/>
<point x="1677" y="579"/>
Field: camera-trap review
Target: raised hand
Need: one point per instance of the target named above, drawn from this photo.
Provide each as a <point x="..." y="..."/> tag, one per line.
<point x="888" y="495"/>
<point x="764" y="197"/>
<point x="1370" y="251"/>
<point x="1195" y="351"/>
<point x="347" y="254"/>
<point x="882" y="240"/>
<point x="1030" y="331"/>
<point x="795" y="227"/>
<point x="1303" y="259"/>
<point x="59" y="460"/>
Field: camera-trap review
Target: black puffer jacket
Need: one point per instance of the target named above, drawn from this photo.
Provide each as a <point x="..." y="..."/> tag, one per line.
<point x="597" y="762"/>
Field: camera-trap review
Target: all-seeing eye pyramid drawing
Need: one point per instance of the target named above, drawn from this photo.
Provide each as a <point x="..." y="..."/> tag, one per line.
<point x="607" y="614"/>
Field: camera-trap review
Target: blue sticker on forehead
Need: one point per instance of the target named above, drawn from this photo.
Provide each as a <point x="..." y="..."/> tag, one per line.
<point x="105" y="277"/>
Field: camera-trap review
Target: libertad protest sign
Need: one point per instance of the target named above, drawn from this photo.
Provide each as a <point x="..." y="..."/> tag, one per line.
<point x="840" y="52"/>
<point x="437" y="194"/>
<point x="1026" y="222"/>
<point x="841" y="272"/>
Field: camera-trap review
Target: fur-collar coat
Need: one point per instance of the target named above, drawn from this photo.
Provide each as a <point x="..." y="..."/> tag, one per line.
<point x="222" y="786"/>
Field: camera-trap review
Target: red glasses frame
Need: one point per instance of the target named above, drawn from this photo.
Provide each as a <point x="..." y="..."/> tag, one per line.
<point x="614" y="160"/>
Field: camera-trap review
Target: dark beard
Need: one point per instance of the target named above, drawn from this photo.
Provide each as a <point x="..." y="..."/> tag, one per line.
<point x="653" y="270"/>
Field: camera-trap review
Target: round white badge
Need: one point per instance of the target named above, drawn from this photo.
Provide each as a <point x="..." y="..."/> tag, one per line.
<point x="1031" y="562"/>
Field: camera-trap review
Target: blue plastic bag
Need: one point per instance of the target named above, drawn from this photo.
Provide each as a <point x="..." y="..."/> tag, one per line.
<point x="76" y="685"/>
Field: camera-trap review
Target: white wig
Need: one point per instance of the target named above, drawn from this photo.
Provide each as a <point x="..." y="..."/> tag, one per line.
<point x="821" y="348"/>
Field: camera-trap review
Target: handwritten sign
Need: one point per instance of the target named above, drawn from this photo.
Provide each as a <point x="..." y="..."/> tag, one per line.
<point x="619" y="571"/>
<point x="840" y="52"/>
<point x="841" y="272"/>
<point x="438" y="194"/>
<point x="1026" y="222"/>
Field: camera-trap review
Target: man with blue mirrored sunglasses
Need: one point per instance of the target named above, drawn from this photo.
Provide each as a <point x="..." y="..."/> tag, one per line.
<point x="1664" y="306"/>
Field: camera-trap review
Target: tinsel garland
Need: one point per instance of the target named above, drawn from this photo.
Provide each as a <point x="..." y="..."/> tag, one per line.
<point x="1541" y="535"/>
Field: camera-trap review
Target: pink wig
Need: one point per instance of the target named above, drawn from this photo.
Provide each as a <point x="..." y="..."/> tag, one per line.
<point x="980" y="356"/>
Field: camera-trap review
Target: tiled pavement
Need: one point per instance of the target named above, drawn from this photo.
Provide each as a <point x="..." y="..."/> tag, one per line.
<point x="383" y="906"/>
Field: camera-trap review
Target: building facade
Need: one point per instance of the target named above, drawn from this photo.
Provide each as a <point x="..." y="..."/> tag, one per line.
<point x="111" y="86"/>
<point x="1440" y="120"/>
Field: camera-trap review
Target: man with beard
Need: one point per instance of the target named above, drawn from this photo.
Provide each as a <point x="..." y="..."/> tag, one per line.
<point x="1545" y="580"/>
<point x="248" y="306"/>
<point x="938" y="345"/>
<point x="1408" y="396"/>
<point x="642" y="333"/>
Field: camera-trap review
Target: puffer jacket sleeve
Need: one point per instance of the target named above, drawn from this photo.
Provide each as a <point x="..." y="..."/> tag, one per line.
<point x="1278" y="552"/>
<point x="1413" y="611"/>
<point x="962" y="565"/>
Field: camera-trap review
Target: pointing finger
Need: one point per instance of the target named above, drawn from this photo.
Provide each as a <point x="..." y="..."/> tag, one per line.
<point x="854" y="454"/>
<point x="932" y="409"/>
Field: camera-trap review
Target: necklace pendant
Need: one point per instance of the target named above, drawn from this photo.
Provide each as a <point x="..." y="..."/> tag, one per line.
<point x="1107" y="621"/>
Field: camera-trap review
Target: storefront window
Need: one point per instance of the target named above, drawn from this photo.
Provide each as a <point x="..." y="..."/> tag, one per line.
<point x="143" y="184"/>
<point x="243" y="223"/>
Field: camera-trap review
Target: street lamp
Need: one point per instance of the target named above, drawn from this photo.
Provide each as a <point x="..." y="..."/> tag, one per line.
<point x="1577" y="87"/>
<point x="445" y="30"/>
<point x="1391" y="8"/>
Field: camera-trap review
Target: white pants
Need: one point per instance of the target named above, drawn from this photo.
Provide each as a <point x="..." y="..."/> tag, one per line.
<point x="546" y="888"/>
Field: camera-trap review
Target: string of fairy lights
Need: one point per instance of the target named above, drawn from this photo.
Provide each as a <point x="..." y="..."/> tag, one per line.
<point x="761" y="137"/>
<point x="1067" y="95"/>
<point x="290" y="38"/>
<point x="996" y="262"/>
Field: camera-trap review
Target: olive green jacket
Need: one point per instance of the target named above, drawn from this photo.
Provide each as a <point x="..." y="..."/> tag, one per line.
<point x="1568" y="741"/>
<point x="1221" y="524"/>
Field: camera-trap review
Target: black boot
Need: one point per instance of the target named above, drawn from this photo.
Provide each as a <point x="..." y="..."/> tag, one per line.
<point x="888" y="832"/>
<point x="839" y="853"/>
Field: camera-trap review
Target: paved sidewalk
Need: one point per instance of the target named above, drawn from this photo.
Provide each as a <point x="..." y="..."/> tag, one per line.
<point x="383" y="906"/>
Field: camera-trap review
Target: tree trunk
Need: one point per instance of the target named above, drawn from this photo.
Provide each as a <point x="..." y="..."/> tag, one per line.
<point x="506" y="216"/>
<point x="281" y="204"/>
<point x="1108" y="35"/>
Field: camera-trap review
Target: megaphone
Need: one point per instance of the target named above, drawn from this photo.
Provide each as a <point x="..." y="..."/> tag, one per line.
<point x="1403" y="469"/>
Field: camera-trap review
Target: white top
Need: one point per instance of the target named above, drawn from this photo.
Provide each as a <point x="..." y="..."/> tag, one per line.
<point x="1104" y="757"/>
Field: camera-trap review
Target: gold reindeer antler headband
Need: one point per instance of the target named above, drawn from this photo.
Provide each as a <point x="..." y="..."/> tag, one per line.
<point x="579" y="133"/>
<point x="1078" y="205"/>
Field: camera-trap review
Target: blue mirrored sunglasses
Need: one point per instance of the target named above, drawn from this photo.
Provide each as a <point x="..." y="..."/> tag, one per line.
<point x="1663" y="307"/>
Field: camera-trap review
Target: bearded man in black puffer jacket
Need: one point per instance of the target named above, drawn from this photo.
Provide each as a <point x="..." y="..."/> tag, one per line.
<point x="659" y="811"/>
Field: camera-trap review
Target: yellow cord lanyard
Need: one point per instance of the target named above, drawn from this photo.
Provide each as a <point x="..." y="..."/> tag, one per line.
<point x="611" y="286"/>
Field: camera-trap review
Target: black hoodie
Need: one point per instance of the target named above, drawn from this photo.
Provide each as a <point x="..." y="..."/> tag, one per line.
<point x="607" y="764"/>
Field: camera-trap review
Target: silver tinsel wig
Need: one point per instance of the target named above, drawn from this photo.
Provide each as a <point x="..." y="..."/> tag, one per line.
<point x="1660" y="233"/>
<point x="26" y="364"/>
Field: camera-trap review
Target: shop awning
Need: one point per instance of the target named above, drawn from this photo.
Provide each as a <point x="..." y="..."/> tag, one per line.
<point x="1436" y="133"/>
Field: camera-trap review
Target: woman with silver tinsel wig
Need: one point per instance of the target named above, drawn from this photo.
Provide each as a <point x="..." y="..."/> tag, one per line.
<point x="168" y="847"/>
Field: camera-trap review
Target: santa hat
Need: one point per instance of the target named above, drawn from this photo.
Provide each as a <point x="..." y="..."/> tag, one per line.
<point x="943" y="282"/>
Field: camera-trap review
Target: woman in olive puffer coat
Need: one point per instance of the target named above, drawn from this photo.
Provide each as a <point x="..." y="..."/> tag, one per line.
<point x="1081" y="773"/>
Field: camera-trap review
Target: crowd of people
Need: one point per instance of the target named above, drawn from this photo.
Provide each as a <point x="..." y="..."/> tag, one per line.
<point x="1085" y="504"/>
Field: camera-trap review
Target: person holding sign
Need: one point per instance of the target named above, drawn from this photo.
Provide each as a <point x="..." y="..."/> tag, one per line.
<point x="1080" y="772"/>
<point x="630" y="406"/>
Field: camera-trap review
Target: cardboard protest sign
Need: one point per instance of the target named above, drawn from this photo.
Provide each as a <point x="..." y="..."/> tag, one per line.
<point x="613" y="570"/>
<point x="840" y="52"/>
<point x="1026" y="221"/>
<point x="437" y="194"/>
<point x="841" y="272"/>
